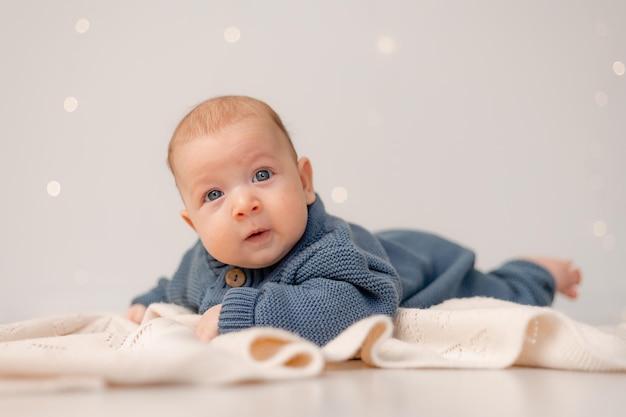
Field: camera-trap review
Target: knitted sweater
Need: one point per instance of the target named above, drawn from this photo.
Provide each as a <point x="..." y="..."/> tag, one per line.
<point x="339" y="273"/>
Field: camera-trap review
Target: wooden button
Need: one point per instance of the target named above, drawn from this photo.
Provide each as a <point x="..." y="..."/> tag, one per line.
<point x="235" y="278"/>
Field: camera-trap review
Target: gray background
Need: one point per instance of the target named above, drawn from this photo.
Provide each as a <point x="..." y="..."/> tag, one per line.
<point x="499" y="124"/>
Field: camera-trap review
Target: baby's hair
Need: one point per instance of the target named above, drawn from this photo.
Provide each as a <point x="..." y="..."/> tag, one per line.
<point x="215" y="114"/>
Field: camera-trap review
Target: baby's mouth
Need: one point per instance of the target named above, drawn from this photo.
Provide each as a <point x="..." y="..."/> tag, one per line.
<point x="257" y="234"/>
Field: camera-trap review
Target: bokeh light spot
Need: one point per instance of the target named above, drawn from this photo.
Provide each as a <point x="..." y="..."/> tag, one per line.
<point x="600" y="228"/>
<point x="53" y="188"/>
<point x="70" y="104"/>
<point x="82" y="26"/>
<point x="339" y="195"/>
<point x="601" y="99"/>
<point x="386" y="45"/>
<point x="232" y="34"/>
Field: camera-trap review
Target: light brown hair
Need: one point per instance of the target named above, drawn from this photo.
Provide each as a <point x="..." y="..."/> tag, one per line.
<point x="215" y="114"/>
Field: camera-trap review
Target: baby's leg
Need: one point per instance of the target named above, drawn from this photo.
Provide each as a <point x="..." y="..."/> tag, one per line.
<point x="566" y="275"/>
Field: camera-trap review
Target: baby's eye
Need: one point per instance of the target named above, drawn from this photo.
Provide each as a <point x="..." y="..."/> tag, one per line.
<point x="213" y="195"/>
<point x="262" y="175"/>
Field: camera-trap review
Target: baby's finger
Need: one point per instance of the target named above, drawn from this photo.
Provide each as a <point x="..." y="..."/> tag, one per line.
<point x="205" y="334"/>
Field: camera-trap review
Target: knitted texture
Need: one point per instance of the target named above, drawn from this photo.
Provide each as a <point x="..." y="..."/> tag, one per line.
<point x="339" y="273"/>
<point x="91" y="351"/>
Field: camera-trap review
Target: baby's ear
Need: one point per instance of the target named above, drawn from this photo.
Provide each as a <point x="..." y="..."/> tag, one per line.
<point x="306" y="178"/>
<point x="187" y="219"/>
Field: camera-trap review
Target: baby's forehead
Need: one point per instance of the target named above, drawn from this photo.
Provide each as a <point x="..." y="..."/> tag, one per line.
<point x="258" y="129"/>
<point x="213" y="118"/>
<point x="253" y="129"/>
<point x="245" y="135"/>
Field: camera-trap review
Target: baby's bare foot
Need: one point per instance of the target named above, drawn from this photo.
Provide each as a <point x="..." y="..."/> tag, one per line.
<point x="565" y="274"/>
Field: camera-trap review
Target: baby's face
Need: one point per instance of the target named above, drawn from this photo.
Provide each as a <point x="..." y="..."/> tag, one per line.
<point x="244" y="192"/>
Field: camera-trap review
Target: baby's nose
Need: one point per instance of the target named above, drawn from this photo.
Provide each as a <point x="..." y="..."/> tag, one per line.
<point x="245" y="205"/>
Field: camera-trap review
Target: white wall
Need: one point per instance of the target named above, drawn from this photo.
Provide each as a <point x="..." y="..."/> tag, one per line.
<point x="500" y="124"/>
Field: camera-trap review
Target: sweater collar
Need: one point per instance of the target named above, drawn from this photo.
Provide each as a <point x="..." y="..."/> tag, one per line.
<point x="314" y="225"/>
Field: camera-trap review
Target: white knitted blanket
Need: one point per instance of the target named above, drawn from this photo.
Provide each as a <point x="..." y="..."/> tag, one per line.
<point x="94" y="351"/>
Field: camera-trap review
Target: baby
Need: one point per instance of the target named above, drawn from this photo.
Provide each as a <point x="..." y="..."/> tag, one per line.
<point x="269" y="255"/>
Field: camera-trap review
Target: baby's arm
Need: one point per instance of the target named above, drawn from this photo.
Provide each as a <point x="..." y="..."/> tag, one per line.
<point x="317" y="308"/>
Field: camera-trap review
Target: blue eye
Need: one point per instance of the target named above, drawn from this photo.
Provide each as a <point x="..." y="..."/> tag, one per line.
<point x="262" y="175"/>
<point x="213" y="195"/>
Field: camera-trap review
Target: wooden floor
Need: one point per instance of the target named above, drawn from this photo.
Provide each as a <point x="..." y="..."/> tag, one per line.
<point x="354" y="390"/>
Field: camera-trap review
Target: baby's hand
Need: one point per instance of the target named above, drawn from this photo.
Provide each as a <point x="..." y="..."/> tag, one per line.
<point x="136" y="312"/>
<point x="207" y="327"/>
<point x="566" y="276"/>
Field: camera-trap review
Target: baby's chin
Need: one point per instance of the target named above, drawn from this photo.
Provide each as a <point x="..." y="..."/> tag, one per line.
<point x="259" y="264"/>
<point x="253" y="263"/>
<point x="258" y="255"/>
